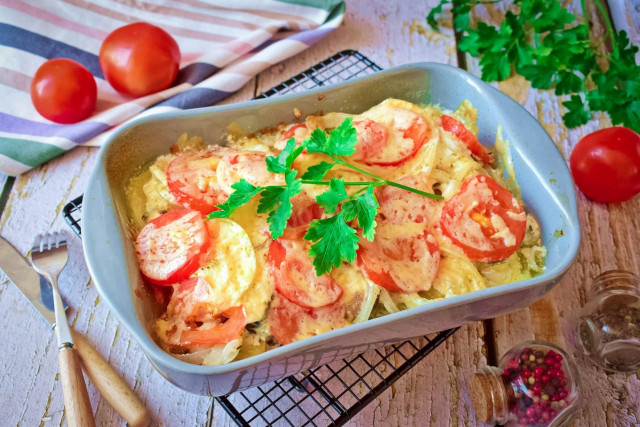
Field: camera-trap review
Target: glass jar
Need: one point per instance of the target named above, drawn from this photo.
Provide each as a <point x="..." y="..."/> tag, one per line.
<point x="535" y="384"/>
<point x="609" y="325"/>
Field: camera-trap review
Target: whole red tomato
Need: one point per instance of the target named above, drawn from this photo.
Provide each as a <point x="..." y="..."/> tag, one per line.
<point x="139" y="59"/>
<point x="63" y="91"/>
<point x="606" y="164"/>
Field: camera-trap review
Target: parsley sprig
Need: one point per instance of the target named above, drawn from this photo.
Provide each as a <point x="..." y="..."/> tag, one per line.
<point x="551" y="47"/>
<point x="334" y="238"/>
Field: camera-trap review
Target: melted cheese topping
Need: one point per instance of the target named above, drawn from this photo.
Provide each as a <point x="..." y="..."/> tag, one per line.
<point x="238" y="272"/>
<point x="232" y="267"/>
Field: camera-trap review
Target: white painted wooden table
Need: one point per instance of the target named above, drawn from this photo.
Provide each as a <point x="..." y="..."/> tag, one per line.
<point x="434" y="392"/>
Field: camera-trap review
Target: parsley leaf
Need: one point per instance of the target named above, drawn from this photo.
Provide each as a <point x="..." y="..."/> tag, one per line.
<point x="276" y="200"/>
<point x="341" y="141"/>
<point x="576" y="114"/>
<point x="431" y="17"/>
<point x="331" y="198"/>
<point x="282" y="162"/>
<point x="242" y="193"/>
<point x="552" y="48"/>
<point x="364" y="207"/>
<point x="334" y="241"/>
<point x="317" y="172"/>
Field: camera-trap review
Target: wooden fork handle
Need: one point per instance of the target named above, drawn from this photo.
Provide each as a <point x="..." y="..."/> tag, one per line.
<point x="76" y="399"/>
<point x="111" y="386"/>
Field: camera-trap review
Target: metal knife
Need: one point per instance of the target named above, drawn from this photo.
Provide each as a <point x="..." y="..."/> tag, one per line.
<point x="107" y="381"/>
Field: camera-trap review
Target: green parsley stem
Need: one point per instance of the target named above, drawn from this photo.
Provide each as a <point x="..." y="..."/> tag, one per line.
<point x="413" y="190"/>
<point x="610" y="31"/>
<point x="375" y="183"/>
<point x="384" y="181"/>
<point x="585" y="16"/>
<point x="357" y="193"/>
<point x="349" y="165"/>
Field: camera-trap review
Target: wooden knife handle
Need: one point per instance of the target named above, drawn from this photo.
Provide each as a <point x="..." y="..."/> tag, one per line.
<point x="111" y="386"/>
<point x="76" y="399"/>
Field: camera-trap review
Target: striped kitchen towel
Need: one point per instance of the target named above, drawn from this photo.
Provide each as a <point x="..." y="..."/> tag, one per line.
<point x="223" y="43"/>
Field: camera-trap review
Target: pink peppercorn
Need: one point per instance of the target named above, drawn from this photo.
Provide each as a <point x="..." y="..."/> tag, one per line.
<point x="533" y="384"/>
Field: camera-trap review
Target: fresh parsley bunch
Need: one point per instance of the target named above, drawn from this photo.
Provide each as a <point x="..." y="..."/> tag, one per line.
<point x="334" y="238"/>
<point x="551" y="48"/>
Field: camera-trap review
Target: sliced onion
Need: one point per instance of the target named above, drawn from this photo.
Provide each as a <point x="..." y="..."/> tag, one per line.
<point x="372" y="291"/>
<point x="387" y="302"/>
<point x="216" y="355"/>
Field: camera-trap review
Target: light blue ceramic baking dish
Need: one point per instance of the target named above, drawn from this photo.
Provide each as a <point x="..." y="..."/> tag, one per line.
<point x="547" y="190"/>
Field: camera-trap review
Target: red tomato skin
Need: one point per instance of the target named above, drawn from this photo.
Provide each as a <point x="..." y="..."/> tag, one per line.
<point x="606" y="165"/>
<point x="375" y="270"/>
<point x="286" y="318"/>
<point x="285" y="266"/>
<point x="219" y="334"/>
<point x="501" y="201"/>
<point x="455" y="127"/>
<point x="291" y="132"/>
<point x="181" y="184"/>
<point x="380" y="278"/>
<point x="139" y="59"/>
<point x="63" y="91"/>
<point x="418" y="132"/>
<point x="305" y="210"/>
<point x="372" y="137"/>
<point x="194" y="262"/>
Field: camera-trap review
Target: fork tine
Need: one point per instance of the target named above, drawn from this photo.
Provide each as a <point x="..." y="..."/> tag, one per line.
<point x="49" y="240"/>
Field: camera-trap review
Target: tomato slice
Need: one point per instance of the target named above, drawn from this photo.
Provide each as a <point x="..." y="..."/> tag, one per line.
<point x="221" y="333"/>
<point x="455" y="127"/>
<point x="190" y="301"/>
<point x="398" y="206"/>
<point x="304" y="210"/>
<point x="400" y="263"/>
<point x="372" y="138"/>
<point x="393" y="144"/>
<point x="299" y="131"/>
<point x="193" y="181"/>
<point x="289" y="322"/>
<point x="484" y="219"/>
<point x="295" y="278"/>
<point x="285" y="319"/>
<point x="172" y="247"/>
<point x="405" y="255"/>
<point x="250" y="165"/>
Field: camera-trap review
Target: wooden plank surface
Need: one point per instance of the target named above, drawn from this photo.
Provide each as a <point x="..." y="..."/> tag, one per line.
<point x="31" y="392"/>
<point x="610" y="240"/>
<point x="434" y="392"/>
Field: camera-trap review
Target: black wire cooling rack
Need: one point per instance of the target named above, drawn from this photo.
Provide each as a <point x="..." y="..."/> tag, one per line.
<point x="327" y="395"/>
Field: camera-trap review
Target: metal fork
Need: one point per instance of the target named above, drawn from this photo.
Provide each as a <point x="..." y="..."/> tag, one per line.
<point x="49" y="256"/>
